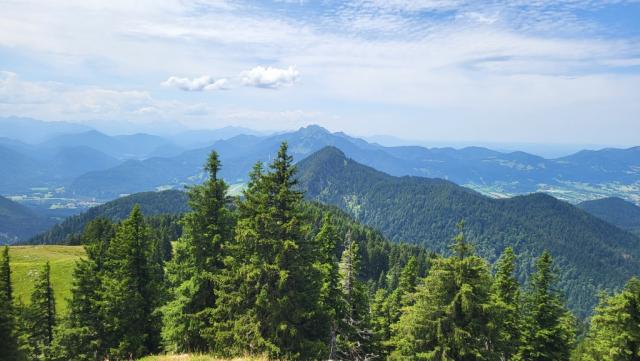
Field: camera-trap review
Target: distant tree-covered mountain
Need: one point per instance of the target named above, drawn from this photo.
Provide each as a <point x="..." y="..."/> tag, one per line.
<point x="574" y="178"/>
<point x="171" y="202"/>
<point x="614" y="210"/>
<point x="18" y="222"/>
<point x="592" y="253"/>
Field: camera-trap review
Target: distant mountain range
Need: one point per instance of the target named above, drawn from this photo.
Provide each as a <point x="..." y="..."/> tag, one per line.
<point x="19" y="222"/>
<point x="86" y="164"/>
<point x="593" y="254"/>
<point x="616" y="211"/>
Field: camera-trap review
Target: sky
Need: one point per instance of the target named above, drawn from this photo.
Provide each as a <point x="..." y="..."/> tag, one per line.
<point x="537" y="71"/>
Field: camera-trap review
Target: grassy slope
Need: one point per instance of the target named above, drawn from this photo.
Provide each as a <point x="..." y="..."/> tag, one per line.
<point x="27" y="261"/>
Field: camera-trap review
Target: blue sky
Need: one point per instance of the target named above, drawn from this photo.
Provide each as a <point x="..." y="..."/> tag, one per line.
<point x="442" y="70"/>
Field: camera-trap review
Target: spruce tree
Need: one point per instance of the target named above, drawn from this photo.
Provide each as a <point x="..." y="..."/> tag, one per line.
<point x="8" y="340"/>
<point x="131" y="291"/>
<point x="331" y="296"/>
<point x="198" y="258"/>
<point x="450" y="317"/>
<point x="41" y="316"/>
<point x="355" y="338"/>
<point x="615" y="327"/>
<point x="81" y="335"/>
<point x="549" y="328"/>
<point x="507" y="323"/>
<point x="270" y="288"/>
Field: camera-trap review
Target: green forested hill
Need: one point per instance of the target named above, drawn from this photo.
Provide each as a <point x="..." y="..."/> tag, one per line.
<point x="18" y="222"/>
<point x="151" y="203"/>
<point x="616" y="211"/>
<point x="592" y="254"/>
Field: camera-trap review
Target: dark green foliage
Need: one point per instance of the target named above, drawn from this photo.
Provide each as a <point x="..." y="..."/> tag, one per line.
<point x="268" y="299"/>
<point x="450" y="318"/>
<point x="131" y="291"/>
<point x="615" y="327"/>
<point x="8" y="339"/>
<point x="506" y="303"/>
<point x="616" y="211"/>
<point x="82" y="336"/>
<point x="591" y="253"/>
<point x="549" y="329"/>
<point x="40" y="317"/>
<point x="151" y="203"/>
<point x="354" y="337"/>
<point x="198" y="258"/>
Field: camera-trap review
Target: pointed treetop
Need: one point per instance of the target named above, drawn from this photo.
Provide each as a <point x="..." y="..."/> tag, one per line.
<point x="461" y="248"/>
<point x="213" y="165"/>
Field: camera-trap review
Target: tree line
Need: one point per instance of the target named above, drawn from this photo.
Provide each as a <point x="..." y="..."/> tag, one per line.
<point x="269" y="274"/>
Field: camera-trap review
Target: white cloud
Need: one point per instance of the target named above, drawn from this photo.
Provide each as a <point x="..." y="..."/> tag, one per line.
<point x="204" y="82"/>
<point x="270" y="77"/>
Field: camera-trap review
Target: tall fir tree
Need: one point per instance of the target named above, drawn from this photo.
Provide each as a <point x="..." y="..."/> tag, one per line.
<point x="188" y="316"/>
<point x="549" y="328"/>
<point x="81" y="335"/>
<point x="506" y="300"/>
<point x="131" y="291"/>
<point x="331" y="296"/>
<point x="41" y="316"/>
<point x="270" y="288"/>
<point x="355" y="338"/>
<point x="8" y="337"/>
<point x="614" y="334"/>
<point x="450" y="317"/>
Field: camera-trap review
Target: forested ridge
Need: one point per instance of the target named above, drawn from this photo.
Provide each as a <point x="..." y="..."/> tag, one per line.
<point x="271" y="275"/>
<point x="593" y="255"/>
<point x="166" y="203"/>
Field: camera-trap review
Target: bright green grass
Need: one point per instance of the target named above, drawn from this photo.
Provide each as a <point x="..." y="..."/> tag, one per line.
<point x="27" y="261"/>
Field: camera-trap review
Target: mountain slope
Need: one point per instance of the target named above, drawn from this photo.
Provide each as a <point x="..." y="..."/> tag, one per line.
<point x="18" y="222"/>
<point x="151" y="203"/>
<point x="573" y="178"/>
<point x="616" y="211"/>
<point x="592" y="253"/>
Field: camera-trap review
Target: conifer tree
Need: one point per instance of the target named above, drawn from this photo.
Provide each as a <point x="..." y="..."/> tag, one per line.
<point x="8" y="339"/>
<point x="81" y="335"/>
<point x="331" y="296"/>
<point x="270" y="288"/>
<point x="131" y="291"/>
<point x="450" y="317"/>
<point x="198" y="258"/>
<point x="507" y="321"/>
<point x="41" y="316"/>
<point x="549" y="328"/>
<point x="615" y="327"/>
<point x="355" y="338"/>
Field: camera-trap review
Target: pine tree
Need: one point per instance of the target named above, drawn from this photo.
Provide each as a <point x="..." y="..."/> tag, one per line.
<point x="8" y="340"/>
<point x="41" y="316"/>
<point x="198" y="258"/>
<point x="81" y="335"/>
<point x="507" y="323"/>
<point x="549" y="328"/>
<point x="331" y="296"/>
<point x="270" y="288"/>
<point x="450" y="317"/>
<point x="131" y="291"/>
<point x="355" y="338"/>
<point x="615" y="327"/>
